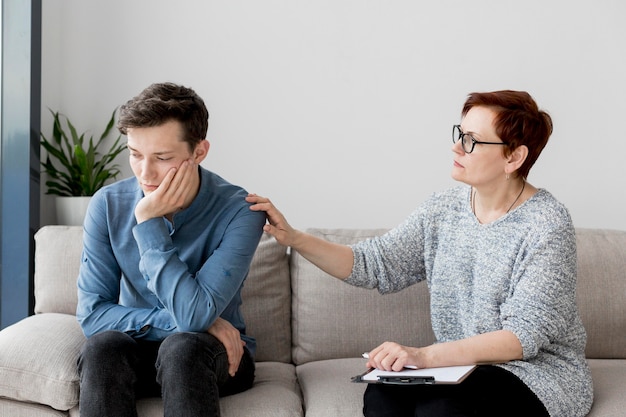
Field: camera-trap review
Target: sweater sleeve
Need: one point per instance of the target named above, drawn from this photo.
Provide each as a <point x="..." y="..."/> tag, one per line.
<point x="392" y="261"/>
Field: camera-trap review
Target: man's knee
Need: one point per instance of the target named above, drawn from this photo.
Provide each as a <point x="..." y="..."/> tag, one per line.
<point x="190" y="346"/>
<point x="107" y="347"/>
<point x="191" y="352"/>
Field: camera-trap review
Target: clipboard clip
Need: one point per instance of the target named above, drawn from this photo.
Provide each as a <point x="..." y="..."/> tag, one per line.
<point x="407" y="380"/>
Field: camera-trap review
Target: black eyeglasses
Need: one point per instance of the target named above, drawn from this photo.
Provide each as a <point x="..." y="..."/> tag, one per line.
<point x="467" y="140"/>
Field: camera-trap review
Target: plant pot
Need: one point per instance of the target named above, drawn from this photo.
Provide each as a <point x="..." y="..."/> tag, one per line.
<point x="71" y="210"/>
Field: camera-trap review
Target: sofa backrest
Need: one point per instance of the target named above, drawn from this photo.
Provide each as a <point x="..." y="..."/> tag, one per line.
<point x="332" y="319"/>
<point x="601" y="291"/>
<point x="266" y="294"/>
<point x="267" y="301"/>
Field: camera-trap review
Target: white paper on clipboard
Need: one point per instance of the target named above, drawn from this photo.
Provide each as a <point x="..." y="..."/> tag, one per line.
<point x="443" y="375"/>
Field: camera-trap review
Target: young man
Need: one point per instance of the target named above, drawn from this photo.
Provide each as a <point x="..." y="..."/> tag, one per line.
<point x="164" y="259"/>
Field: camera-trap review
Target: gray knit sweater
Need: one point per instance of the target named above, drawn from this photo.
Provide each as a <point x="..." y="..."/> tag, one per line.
<point x="517" y="273"/>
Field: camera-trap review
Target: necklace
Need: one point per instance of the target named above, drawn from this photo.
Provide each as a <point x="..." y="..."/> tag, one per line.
<point x="473" y="199"/>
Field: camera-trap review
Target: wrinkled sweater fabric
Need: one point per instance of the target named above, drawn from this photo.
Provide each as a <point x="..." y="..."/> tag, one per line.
<point x="517" y="273"/>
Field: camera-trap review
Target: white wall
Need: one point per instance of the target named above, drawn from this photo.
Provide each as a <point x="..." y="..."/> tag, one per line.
<point x="341" y="110"/>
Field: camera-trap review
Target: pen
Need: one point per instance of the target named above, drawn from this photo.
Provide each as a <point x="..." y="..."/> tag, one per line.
<point x="366" y="355"/>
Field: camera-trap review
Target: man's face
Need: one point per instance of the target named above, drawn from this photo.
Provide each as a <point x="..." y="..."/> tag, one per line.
<point x="154" y="151"/>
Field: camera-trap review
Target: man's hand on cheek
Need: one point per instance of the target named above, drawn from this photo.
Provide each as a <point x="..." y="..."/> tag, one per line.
<point x="177" y="189"/>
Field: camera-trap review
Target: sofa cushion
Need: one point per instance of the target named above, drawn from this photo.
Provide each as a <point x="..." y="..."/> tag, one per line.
<point x="332" y="319"/>
<point x="601" y="291"/>
<point x="266" y="299"/>
<point x="609" y="380"/>
<point x="38" y="360"/>
<point x="57" y="260"/>
<point x="275" y="394"/>
<point x="327" y="390"/>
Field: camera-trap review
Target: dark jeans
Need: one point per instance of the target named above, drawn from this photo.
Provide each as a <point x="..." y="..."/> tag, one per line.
<point x="487" y="391"/>
<point x="189" y="370"/>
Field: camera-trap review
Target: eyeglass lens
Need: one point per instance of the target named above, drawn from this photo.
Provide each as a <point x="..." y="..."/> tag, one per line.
<point x="466" y="140"/>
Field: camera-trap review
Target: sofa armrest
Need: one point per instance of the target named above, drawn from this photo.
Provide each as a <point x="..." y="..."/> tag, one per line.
<point x="38" y="360"/>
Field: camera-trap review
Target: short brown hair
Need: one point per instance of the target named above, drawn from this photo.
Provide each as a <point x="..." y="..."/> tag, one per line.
<point x="519" y="121"/>
<point x="162" y="102"/>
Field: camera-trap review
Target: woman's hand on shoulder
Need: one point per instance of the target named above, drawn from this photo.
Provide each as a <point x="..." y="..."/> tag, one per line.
<point x="333" y="258"/>
<point x="277" y="225"/>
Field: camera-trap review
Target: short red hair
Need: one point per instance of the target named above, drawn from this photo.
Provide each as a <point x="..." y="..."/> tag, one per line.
<point x="519" y="121"/>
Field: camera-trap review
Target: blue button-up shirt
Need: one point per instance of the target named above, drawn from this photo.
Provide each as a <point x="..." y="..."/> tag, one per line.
<point x="156" y="278"/>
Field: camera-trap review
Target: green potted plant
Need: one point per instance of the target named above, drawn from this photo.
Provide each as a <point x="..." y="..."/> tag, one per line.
<point x="77" y="167"/>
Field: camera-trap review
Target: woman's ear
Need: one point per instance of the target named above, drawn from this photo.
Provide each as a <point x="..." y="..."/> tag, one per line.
<point x="201" y="151"/>
<point x="516" y="159"/>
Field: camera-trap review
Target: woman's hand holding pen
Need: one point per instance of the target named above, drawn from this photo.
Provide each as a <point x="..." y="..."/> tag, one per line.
<point x="392" y="356"/>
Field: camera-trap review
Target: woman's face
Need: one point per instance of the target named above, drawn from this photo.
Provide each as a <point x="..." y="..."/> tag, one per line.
<point x="486" y="163"/>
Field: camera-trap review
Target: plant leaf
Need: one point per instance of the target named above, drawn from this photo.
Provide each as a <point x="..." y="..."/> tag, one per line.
<point x="82" y="169"/>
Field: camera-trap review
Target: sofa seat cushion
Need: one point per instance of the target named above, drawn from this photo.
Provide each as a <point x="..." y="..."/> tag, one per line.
<point x="275" y="394"/>
<point x="327" y="390"/>
<point x="38" y="365"/>
<point x="609" y="380"/>
<point x="38" y="360"/>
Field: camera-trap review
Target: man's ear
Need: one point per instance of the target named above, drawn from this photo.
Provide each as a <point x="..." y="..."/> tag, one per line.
<point x="516" y="159"/>
<point x="201" y="151"/>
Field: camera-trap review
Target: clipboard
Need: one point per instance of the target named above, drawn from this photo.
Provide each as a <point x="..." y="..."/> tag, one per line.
<point x="427" y="376"/>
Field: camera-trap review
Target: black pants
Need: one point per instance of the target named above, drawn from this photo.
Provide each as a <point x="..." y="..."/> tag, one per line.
<point x="487" y="391"/>
<point x="189" y="370"/>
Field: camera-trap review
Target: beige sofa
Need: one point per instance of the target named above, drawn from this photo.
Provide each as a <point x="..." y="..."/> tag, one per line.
<point x="311" y="330"/>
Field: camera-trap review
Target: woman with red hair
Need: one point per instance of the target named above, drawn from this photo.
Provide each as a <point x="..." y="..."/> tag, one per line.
<point x="499" y="256"/>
